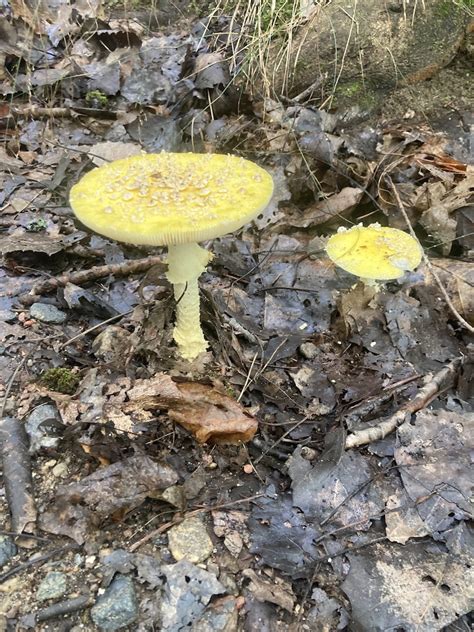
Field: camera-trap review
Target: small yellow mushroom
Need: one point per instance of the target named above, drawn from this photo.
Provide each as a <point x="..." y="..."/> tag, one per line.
<point x="374" y="252"/>
<point x="175" y="200"/>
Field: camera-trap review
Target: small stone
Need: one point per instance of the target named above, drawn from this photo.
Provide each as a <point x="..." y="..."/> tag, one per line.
<point x="190" y="541"/>
<point x="43" y="427"/>
<point x="7" y="549"/>
<point x="91" y="561"/>
<point x="54" y="585"/>
<point x="308" y="350"/>
<point x="117" y="607"/>
<point x="60" y="470"/>
<point x="47" y="313"/>
<point x="7" y="316"/>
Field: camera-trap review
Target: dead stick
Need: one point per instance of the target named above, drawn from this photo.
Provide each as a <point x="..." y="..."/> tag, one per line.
<point x="17" y="474"/>
<point x="63" y="607"/>
<point x="84" y="276"/>
<point x="428" y="264"/>
<point x="35" y="561"/>
<point x="36" y="112"/>
<point x="431" y="389"/>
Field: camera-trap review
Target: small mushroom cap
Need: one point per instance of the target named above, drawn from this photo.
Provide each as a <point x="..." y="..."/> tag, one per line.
<point x="164" y="199"/>
<point x="374" y="252"/>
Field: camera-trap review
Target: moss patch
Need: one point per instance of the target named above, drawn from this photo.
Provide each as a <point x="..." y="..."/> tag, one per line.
<point x="61" y="380"/>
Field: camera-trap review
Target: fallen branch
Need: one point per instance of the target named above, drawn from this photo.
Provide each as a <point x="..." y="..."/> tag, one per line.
<point x="38" y="112"/>
<point x="433" y="386"/>
<point x="17" y="474"/>
<point x="92" y="274"/>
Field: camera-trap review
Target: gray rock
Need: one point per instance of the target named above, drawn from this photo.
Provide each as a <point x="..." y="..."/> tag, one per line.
<point x="188" y="591"/>
<point x="7" y="549"/>
<point x="47" y="313"/>
<point x="54" y="585"/>
<point x="190" y="540"/>
<point x="308" y="350"/>
<point x="7" y="316"/>
<point x="43" y="426"/>
<point x="117" y="607"/>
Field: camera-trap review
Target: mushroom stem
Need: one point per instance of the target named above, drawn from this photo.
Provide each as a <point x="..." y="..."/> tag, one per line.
<point x="186" y="262"/>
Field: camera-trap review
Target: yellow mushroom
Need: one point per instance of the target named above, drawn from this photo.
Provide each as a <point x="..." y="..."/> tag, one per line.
<point x="175" y="200"/>
<point x="374" y="252"/>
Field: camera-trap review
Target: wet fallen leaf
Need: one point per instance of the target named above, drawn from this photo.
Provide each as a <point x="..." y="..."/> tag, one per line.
<point x="205" y="410"/>
<point x="433" y="455"/>
<point x="281" y="536"/>
<point x="320" y="488"/>
<point x="402" y="518"/>
<point x="391" y="575"/>
<point x="110" y="492"/>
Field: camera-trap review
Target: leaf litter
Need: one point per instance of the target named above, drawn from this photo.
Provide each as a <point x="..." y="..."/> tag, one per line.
<point x="253" y="436"/>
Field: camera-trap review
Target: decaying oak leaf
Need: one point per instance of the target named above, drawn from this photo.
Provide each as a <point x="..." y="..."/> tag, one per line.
<point x="203" y="409"/>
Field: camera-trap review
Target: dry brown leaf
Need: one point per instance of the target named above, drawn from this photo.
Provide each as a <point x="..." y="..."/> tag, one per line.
<point x="333" y="208"/>
<point x="274" y="591"/>
<point x="108" y="151"/>
<point x="441" y="161"/>
<point x="203" y="409"/>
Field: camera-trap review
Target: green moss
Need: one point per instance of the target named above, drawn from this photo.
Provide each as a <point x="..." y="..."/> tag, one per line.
<point x="61" y="380"/>
<point x="450" y="7"/>
<point x="356" y="93"/>
<point x="97" y="99"/>
<point x="349" y="89"/>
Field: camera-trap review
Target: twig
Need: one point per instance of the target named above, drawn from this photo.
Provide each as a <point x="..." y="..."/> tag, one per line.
<point x="93" y="328"/>
<point x="37" y="560"/>
<point x="83" y="276"/>
<point x="309" y="90"/>
<point x="17" y="474"/>
<point x="428" y="263"/>
<point x="11" y="381"/>
<point x="195" y="512"/>
<point x="56" y="610"/>
<point x="37" y="112"/>
<point x="431" y="389"/>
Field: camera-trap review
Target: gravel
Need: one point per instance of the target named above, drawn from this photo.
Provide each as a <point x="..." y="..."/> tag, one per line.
<point x="53" y="586"/>
<point x="7" y="549"/>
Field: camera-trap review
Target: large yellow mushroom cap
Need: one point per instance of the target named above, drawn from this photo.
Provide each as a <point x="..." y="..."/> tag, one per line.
<point x="167" y="198"/>
<point x="374" y="252"/>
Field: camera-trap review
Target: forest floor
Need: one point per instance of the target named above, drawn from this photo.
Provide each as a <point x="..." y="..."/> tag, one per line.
<point x="114" y="513"/>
